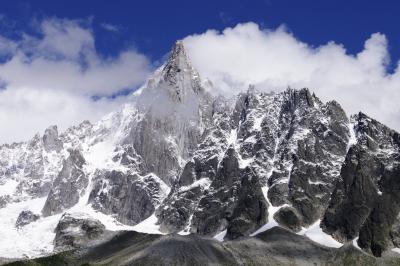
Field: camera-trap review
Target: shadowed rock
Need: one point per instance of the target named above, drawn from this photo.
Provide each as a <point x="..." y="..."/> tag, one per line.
<point x="26" y="217"/>
<point x="69" y="185"/>
<point x="77" y="232"/>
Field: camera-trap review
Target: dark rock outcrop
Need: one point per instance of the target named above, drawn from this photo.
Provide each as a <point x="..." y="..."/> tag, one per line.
<point x="77" y="232"/>
<point x="366" y="199"/>
<point x="51" y="141"/>
<point x="233" y="200"/>
<point x="288" y="218"/>
<point x="128" y="197"/>
<point x="395" y="232"/>
<point x="4" y="200"/>
<point x="177" y="210"/>
<point x="26" y="217"/>
<point x="69" y="185"/>
<point x="290" y="142"/>
<point x="251" y="208"/>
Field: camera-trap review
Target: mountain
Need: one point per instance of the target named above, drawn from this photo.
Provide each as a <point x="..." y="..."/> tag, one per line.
<point x="178" y="159"/>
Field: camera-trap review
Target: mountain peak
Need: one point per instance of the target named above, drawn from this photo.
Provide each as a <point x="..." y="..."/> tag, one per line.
<point x="179" y="74"/>
<point x="178" y="56"/>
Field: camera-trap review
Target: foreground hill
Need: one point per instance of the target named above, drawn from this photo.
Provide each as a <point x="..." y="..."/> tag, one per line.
<point x="276" y="246"/>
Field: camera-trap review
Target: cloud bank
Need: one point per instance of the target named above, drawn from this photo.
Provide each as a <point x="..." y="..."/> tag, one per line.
<point x="52" y="76"/>
<point x="275" y="59"/>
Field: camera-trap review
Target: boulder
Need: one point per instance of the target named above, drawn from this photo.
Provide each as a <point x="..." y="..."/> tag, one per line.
<point x="26" y="217"/>
<point x="288" y="218"/>
<point x="76" y="232"/>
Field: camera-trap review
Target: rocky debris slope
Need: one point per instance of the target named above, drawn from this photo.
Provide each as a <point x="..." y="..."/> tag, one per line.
<point x="276" y="246"/>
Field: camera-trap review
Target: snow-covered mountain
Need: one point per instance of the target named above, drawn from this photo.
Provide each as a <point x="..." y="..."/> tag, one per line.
<point x="178" y="159"/>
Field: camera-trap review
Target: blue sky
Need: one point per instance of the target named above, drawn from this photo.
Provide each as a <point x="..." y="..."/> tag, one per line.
<point x="62" y="62"/>
<point x="154" y="25"/>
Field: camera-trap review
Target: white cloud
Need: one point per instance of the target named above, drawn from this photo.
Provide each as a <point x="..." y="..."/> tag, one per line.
<point x="275" y="59"/>
<point x="51" y="77"/>
<point x="109" y="27"/>
<point x="25" y="111"/>
<point x="67" y="51"/>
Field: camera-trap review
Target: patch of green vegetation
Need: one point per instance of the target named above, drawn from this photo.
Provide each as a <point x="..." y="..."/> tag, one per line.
<point x="352" y="257"/>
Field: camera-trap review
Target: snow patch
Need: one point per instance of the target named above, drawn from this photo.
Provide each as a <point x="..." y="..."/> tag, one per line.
<point x="148" y="226"/>
<point x="243" y="163"/>
<point x="220" y="236"/>
<point x="8" y="187"/>
<point x="355" y="244"/>
<point x="186" y="231"/>
<point x="257" y="123"/>
<point x="315" y="233"/>
<point x="271" y="211"/>
<point x="252" y="139"/>
<point x="397" y="250"/>
<point x="32" y="240"/>
<point x="232" y="137"/>
<point x="204" y="183"/>
<point x="353" y="137"/>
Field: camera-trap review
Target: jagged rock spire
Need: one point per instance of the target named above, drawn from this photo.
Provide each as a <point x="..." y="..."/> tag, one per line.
<point x="179" y="74"/>
<point x="177" y="62"/>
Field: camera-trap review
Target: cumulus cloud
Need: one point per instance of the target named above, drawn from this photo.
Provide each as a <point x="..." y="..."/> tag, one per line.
<point x="52" y="76"/>
<point x="275" y="59"/>
<point x="66" y="49"/>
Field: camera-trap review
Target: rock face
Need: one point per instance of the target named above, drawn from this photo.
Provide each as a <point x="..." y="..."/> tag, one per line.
<point x="309" y="154"/>
<point x="366" y="198"/>
<point x="175" y="113"/>
<point x="69" y="185"/>
<point x="128" y="197"/>
<point x="75" y="232"/>
<point x="51" y="141"/>
<point x="26" y="217"/>
<point x="250" y="211"/>
<point x="288" y="145"/>
<point x="289" y="218"/>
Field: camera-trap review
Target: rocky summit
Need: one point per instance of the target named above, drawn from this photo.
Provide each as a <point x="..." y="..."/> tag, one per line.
<point x="180" y="175"/>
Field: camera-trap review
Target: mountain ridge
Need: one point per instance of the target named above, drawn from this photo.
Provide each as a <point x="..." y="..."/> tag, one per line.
<point x="178" y="159"/>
